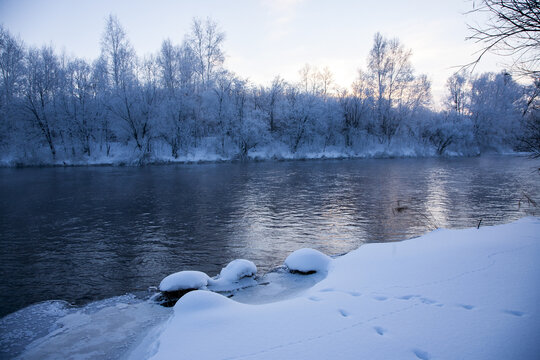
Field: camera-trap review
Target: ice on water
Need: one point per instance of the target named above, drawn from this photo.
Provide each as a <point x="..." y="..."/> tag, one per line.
<point x="100" y="330"/>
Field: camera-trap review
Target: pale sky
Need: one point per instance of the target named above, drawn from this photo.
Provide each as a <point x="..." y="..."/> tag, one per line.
<point x="265" y="38"/>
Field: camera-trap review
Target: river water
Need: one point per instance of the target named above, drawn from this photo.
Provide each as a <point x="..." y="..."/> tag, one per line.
<point x="82" y="234"/>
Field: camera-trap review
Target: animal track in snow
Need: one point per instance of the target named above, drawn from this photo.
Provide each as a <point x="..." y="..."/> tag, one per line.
<point x="424" y="300"/>
<point x="513" y="312"/>
<point x="352" y="293"/>
<point x="314" y="298"/>
<point x="380" y="298"/>
<point x="379" y="330"/>
<point x="427" y="301"/>
<point x="422" y="355"/>
<point x="327" y="290"/>
<point x="466" y="306"/>
<point x="343" y="313"/>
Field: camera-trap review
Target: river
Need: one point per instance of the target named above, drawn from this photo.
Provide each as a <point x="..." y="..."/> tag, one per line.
<point x="81" y="234"/>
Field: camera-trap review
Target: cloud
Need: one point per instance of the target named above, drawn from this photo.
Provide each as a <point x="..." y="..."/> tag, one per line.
<point x="282" y="5"/>
<point x="282" y="13"/>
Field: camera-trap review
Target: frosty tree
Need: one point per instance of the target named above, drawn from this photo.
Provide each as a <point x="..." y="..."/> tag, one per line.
<point x="205" y="40"/>
<point x="182" y="101"/>
<point x="117" y="53"/>
<point x="396" y="91"/>
<point x="11" y="71"/>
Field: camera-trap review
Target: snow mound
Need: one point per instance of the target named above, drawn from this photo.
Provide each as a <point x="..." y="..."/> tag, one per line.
<point x="307" y="261"/>
<point x="238" y="269"/>
<point x="237" y="274"/>
<point x="200" y="300"/>
<point x="184" y="280"/>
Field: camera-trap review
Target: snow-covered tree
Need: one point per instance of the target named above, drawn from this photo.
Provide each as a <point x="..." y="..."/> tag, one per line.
<point x="457" y="86"/>
<point x="393" y="84"/>
<point x="78" y="104"/>
<point x="205" y="41"/>
<point x="117" y="54"/>
<point x="496" y="107"/>
<point x="183" y="100"/>
<point x="11" y="77"/>
<point x="41" y="90"/>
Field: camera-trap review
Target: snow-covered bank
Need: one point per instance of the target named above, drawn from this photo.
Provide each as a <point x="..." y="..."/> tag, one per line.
<point x="209" y="158"/>
<point x="124" y="156"/>
<point x="451" y="294"/>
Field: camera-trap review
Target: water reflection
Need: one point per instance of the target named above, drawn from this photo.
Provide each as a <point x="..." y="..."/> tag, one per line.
<point x="81" y="234"/>
<point x="437" y="197"/>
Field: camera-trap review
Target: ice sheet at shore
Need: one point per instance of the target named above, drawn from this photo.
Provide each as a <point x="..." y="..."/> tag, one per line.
<point x="105" y="329"/>
<point x="452" y="294"/>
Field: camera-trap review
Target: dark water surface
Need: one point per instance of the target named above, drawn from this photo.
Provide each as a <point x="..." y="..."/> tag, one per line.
<point x="88" y="233"/>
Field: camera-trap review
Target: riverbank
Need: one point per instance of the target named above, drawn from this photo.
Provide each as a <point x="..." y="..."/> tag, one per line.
<point x="123" y="156"/>
<point x="468" y="294"/>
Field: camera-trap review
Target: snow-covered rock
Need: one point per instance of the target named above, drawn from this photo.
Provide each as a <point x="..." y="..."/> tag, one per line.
<point x="237" y="274"/>
<point x="238" y="269"/>
<point x="307" y="261"/>
<point x="184" y="280"/>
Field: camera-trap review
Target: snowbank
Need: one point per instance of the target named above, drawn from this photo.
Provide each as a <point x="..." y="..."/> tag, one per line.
<point x="460" y="294"/>
<point x="122" y="155"/>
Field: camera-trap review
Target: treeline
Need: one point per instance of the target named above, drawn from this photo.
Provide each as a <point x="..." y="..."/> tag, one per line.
<point x="183" y="104"/>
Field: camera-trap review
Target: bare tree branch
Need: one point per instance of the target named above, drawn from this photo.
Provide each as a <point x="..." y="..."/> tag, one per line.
<point x="512" y="29"/>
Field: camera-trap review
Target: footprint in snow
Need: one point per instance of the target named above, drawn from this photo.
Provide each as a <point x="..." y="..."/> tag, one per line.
<point x="514" y="312"/>
<point x="428" y="301"/>
<point x="314" y="298"/>
<point x="380" y="298"/>
<point x="326" y="290"/>
<point x="379" y="330"/>
<point x="422" y="355"/>
<point x="343" y="313"/>
<point x="466" y="306"/>
<point x="407" y="297"/>
<point x="354" y="293"/>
